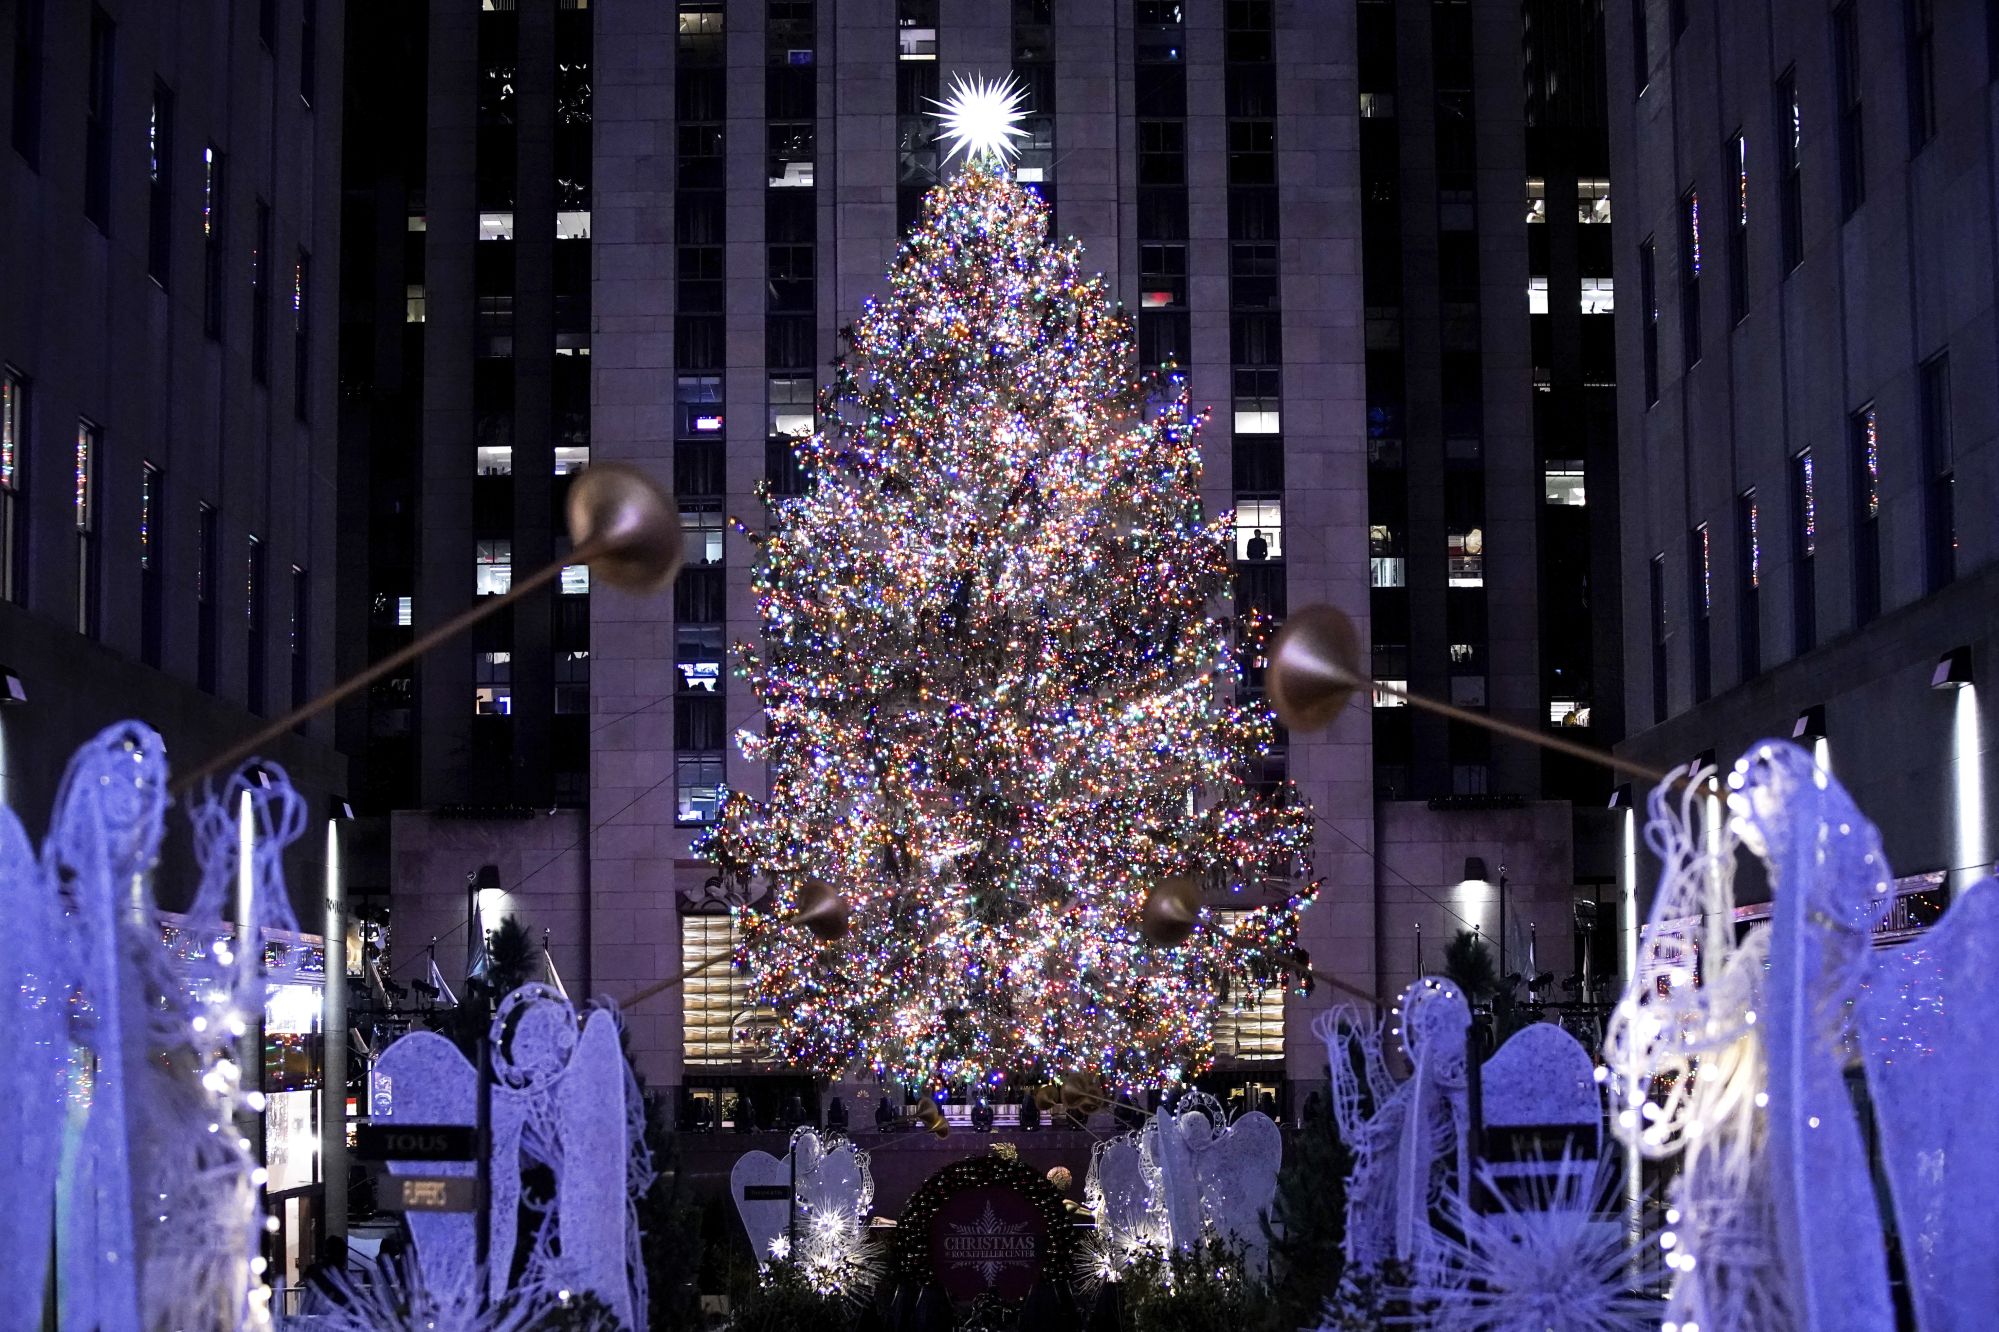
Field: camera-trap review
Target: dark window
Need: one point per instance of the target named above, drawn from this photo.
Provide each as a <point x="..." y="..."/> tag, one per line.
<point x="1162" y="337"/>
<point x="1863" y="435"/>
<point x="28" y="82"/>
<point x="301" y="336"/>
<point x="214" y="285"/>
<point x="152" y="584"/>
<point x="301" y="636"/>
<point x="207" y="590"/>
<point x="1804" y="552"/>
<point x="1789" y="122"/>
<point x="1846" y="81"/>
<point x="1252" y="152"/>
<point x="97" y="122"/>
<point x="1749" y="583"/>
<point x="1648" y="307"/>
<point x="1162" y="214"/>
<point x="1700" y="609"/>
<point x="1737" y="158"/>
<point x="1641" y="49"/>
<point x="697" y="342"/>
<point x="13" y="491"/>
<point x="1162" y="152"/>
<point x="1677" y="12"/>
<point x="267" y="23"/>
<point x="260" y="297"/>
<point x="1690" y="278"/>
<point x="1940" y="475"/>
<point x="1256" y="339"/>
<point x="1658" y="624"/>
<point x="1252" y="214"/>
<point x="1922" y="74"/>
<point x="253" y="625"/>
<point x="308" y="48"/>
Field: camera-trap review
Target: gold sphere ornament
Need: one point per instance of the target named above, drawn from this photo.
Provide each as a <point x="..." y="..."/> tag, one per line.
<point x="1314" y="668"/>
<point x="822" y="911"/>
<point x="626" y="526"/>
<point x="1171" y="909"/>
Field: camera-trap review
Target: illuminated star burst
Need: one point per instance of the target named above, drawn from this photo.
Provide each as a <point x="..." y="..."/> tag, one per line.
<point x="1558" y="1260"/>
<point x="981" y="117"/>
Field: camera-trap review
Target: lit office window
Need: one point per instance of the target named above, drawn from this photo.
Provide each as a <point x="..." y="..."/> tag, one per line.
<point x="1259" y="530"/>
<point x="494" y="574"/>
<point x="1562" y="482"/>
<point x="699" y="786"/>
<point x="492" y="683"/>
<point x="719" y="1022"/>
<point x="1466" y="558"/>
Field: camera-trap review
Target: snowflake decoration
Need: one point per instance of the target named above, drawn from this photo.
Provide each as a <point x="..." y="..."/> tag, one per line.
<point x="989" y="1226"/>
<point x="981" y="117"/>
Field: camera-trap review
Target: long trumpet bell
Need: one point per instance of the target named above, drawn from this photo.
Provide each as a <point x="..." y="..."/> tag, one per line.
<point x="626" y="526"/>
<point x="1314" y="669"/>
<point x="822" y="911"/>
<point x="932" y="1118"/>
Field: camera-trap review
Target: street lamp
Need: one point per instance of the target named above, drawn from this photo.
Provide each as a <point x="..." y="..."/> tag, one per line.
<point x="486" y="879"/>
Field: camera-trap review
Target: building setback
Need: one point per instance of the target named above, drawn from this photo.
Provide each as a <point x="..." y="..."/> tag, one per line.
<point x="1228" y="166"/>
<point x="1807" y="408"/>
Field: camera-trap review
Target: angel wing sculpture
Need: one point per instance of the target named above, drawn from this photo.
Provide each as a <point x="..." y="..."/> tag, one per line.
<point x="1415" y="1127"/>
<point x="1188" y="1174"/>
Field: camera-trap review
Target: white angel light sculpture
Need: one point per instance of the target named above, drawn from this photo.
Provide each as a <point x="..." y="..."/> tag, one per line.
<point x="1744" y="1074"/>
<point x="1417" y="1127"/>
<point x="563" y="1097"/>
<point x="1188" y="1175"/>
<point x="160" y="1222"/>
<point x="819" y="1225"/>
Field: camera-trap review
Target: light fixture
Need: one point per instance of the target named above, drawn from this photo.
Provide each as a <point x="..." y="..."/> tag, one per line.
<point x="1810" y="724"/>
<point x="1475" y="869"/>
<point x="487" y="879"/>
<point x="1620" y="796"/>
<point x="343" y="809"/>
<point x="1953" y="669"/>
<point x="12" y="691"/>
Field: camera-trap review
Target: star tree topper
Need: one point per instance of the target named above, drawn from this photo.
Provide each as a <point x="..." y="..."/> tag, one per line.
<point x="981" y="117"/>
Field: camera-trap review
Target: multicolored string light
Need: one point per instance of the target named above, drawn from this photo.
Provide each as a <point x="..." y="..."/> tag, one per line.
<point x="996" y="696"/>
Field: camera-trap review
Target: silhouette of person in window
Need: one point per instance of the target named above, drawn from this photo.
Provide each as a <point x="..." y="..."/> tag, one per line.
<point x="1258" y="549"/>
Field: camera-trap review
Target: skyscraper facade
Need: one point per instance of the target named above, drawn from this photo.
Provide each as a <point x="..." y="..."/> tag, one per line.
<point x="1807" y="432"/>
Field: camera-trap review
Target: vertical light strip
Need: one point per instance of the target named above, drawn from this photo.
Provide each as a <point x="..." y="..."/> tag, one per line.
<point x="333" y="1041"/>
<point x="1822" y="753"/>
<point x="1973" y="856"/>
<point x="1634" y="1167"/>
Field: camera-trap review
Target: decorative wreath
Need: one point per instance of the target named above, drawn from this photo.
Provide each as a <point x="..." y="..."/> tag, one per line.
<point x="912" y="1228"/>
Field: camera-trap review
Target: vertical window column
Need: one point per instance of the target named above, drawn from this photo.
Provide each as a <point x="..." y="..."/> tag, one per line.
<point x="213" y="217"/>
<point x="1940" y="475"/>
<point x="97" y="121"/>
<point x="1738" y="231"/>
<point x="700" y="397"/>
<point x="1657" y="620"/>
<point x="28" y="81"/>
<point x="1690" y="279"/>
<point x="260" y="296"/>
<point x="152" y="583"/>
<point x="1921" y="19"/>
<point x="253" y="624"/>
<point x="1804" y="553"/>
<point x="1863" y="433"/>
<point x="13" y="494"/>
<point x="207" y="590"/>
<point x="1700" y="608"/>
<point x="1748" y="584"/>
<point x="916" y="84"/>
<point x="1160" y="93"/>
<point x="300" y="636"/>
<point x="1648" y="304"/>
<point x="1846" y="84"/>
<point x="1034" y="67"/>
<point x="159" y="184"/>
<point x="301" y="336"/>
<point x="89" y="444"/>
<point x="1789" y="125"/>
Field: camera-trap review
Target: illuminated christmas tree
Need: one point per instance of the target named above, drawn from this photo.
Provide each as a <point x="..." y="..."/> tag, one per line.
<point x="996" y="690"/>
